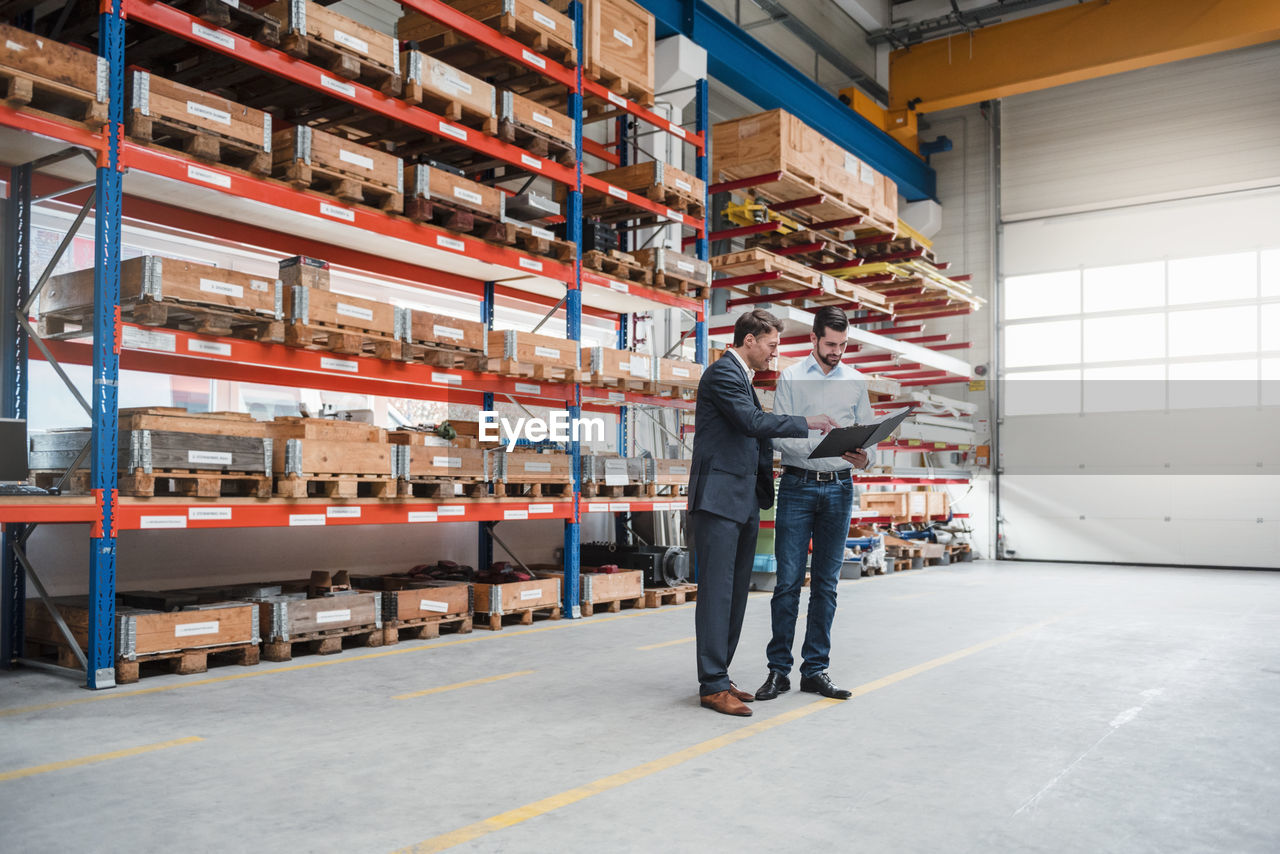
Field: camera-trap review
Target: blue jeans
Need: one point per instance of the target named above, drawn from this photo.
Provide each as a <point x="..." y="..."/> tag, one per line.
<point x="808" y="510"/>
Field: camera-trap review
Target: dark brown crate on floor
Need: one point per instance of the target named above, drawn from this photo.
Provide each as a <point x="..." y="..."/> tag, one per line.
<point x="322" y="626"/>
<point x="516" y="601"/>
<point x="421" y="608"/>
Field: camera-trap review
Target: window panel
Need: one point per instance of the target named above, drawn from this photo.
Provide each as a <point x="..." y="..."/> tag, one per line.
<point x="1213" y="331"/>
<point x="1124" y="389"/>
<point x="1042" y="295"/>
<point x="1213" y="278"/>
<point x="1054" y="343"/>
<point x="1200" y="385"/>
<point x="1127" y="286"/>
<point x="1271" y="273"/>
<point x="1113" y="339"/>
<point x="1270" y="327"/>
<point x="1041" y="392"/>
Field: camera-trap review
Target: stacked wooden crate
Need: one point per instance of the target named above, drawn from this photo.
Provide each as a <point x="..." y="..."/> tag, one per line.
<point x="344" y="46"/>
<point x="530" y="22"/>
<point x="618" y="41"/>
<point x="49" y="78"/>
<point x="316" y="457"/>
<point x="611" y="476"/>
<point x="521" y="600"/>
<point x="529" y="474"/>
<point x="607" y="589"/>
<point x="420" y="608"/>
<point x="625" y="370"/>
<point x="429" y="470"/>
<point x="528" y="354"/>
<point x="349" y="171"/>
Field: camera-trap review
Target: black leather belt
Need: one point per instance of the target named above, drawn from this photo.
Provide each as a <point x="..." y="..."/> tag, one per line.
<point x="819" y="476"/>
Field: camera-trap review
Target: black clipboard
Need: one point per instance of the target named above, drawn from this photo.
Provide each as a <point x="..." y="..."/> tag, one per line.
<point x="843" y="440"/>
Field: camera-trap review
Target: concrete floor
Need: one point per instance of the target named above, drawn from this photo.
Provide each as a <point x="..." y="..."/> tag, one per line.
<point x="1000" y="707"/>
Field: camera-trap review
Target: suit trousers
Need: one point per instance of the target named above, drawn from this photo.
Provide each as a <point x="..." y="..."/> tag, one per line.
<point x="723" y="553"/>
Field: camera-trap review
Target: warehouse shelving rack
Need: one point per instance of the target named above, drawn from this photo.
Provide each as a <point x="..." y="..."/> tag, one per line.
<point x="45" y="164"/>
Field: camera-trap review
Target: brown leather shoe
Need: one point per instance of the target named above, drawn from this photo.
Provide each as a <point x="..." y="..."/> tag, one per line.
<point x="740" y="694"/>
<point x="726" y="704"/>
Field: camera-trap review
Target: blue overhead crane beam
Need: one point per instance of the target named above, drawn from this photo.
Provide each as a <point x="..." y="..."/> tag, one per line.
<point x="741" y="62"/>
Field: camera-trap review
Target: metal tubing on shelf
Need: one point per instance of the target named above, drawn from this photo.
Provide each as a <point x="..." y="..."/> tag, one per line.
<point x="16" y="256"/>
<point x="100" y="672"/>
<point x="572" y="551"/>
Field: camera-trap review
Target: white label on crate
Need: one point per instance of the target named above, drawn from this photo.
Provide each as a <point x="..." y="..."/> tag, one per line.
<point x="684" y="185"/>
<point x="678" y="131"/>
<point x="338" y="86"/>
<point x="344" y="365"/>
<point x="347" y="40"/>
<point x="531" y="162"/>
<point x="468" y="195"/>
<point x="640" y="367"/>
<point x="225" y="39"/>
<point x="447" y="462"/>
<point x="234" y="4"/>
<point x="450" y="243"/>
<point x="546" y="352"/>
<point x="868" y="174"/>
<point x="214" y="115"/>
<point x="447" y="332"/>
<point x="538" y="467"/>
<point x="433" y="605"/>
<point x="620" y="287"/>
<point x="259" y="285"/>
<point x="598" y="507"/>
<point x="530" y="264"/>
<point x="342" y="512"/>
<point x="337" y="212"/>
<point x="680" y="372"/>
<point x="617" y="99"/>
<point x="303" y="520"/>
<point x="615" y="473"/>
<point x="678" y="470"/>
<point x="209" y="514"/>
<point x="209" y="348"/>
<point x="452" y="510"/>
<point x="333" y="616"/>
<point x="446" y="379"/>
<point x="624" y="366"/>
<point x="146" y="339"/>
<point x="210" y="458"/>
<point x="515" y="514"/>
<point x="12" y="45"/>
<point x="544" y="233"/>
<point x="526" y="595"/>
<point x="543" y="120"/>
<point x="533" y="59"/>
<point x="148" y="522"/>
<point x="213" y="286"/>
<point x="624" y="507"/>
<point x="616" y="192"/>
<point x="528" y="388"/>
<point x="541" y="508"/>
<point x="186" y="631"/>
<point x="675" y="215"/>
<point x="686" y="266"/>
<point x="422" y="515"/>
<point x="851" y="163"/>
<point x="456" y="84"/>
<point x="355" y="311"/>
<point x="544" y="20"/>
<point x="624" y="38"/>
<point x="453" y="131"/>
<point x="195" y="173"/>
<point x="355" y="159"/>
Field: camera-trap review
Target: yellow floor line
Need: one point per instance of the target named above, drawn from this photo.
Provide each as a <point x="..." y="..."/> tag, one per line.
<point x="345" y="659"/>
<point x="456" y="685"/>
<point x="665" y="643"/>
<point x="97" y="757"/>
<point x="613" y="781"/>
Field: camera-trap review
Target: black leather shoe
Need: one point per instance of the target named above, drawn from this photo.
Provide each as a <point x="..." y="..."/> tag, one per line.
<point x="773" y="686"/>
<point x="821" y="684"/>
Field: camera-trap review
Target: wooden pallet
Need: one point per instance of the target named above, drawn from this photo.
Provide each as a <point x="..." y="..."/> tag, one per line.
<point x="341" y="339"/>
<point x="342" y="62"/>
<point x="442" y="488"/>
<point x="551" y="247"/>
<point x="619" y="265"/>
<point x="537" y="371"/>
<point x="515" y="617"/>
<point x="464" y="53"/>
<point x="594" y="489"/>
<point x="165" y="132"/>
<point x="426" y="628"/>
<point x="33" y="94"/>
<point x="456" y="110"/>
<point x="182" y="662"/>
<point x="322" y="643"/>
<point x="612" y="606"/>
<point x="536" y="142"/>
<point x="238" y="18"/>
<point x="461" y="220"/>
<point x="78" y="322"/>
<point x="693" y="288"/>
<point x="188" y="484"/>
<point x="543" y="489"/>
<point x="630" y="89"/>
<point x="336" y="486"/>
<point x="655" y="597"/>
<point x="440" y="356"/>
<point x="343" y="187"/>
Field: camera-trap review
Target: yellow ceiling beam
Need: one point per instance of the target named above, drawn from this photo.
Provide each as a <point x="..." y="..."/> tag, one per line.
<point x="1068" y="45"/>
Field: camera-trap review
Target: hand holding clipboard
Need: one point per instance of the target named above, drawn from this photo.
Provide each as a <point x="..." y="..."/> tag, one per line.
<point x="847" y="440"/>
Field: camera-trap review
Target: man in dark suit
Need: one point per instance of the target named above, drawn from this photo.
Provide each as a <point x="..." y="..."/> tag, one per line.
<point x="731" y="481"/>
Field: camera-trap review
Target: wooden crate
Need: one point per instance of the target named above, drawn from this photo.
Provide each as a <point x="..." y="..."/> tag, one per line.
<point x="542" y="357"/>
<point x="679" y="373"/>
<point x="773" y="141"/>
<point x="315" y="457"/>
<point x="523" y="598"/>
<point x="937" y="504"/>
<point x="440" y="330"/>
<point x="178" y="420"/>
<point x="659" y="182"/>
<point x="670" y="472"/>
<point x="855" y="179"/>
<point x="896" y="505"/>
<point x="612" y="368"/>
<point x="304" y="271"/>
<point x="323" y="622"/>
<point x="618" y="46"/>
<point x="674" y="271"/>
<point x="530" y="22"/>
<point x="535" y="127"/>
<point x="427" y="186"/>
<point x="606" y="591"/>
<point x="347" y="48"/>
<point x="203" y="125"/>
<point x="237" y="17"/>
<point x="341" y="323"/>
<point x="420" y="608"/>
<point x="611" y="476"/>
<point x="44" y="76"/>
<point x="359" y="174"/>
<point x="323" y="429"/>
<point x="455" y="95"/>
<point x="432" y="471"/>
<point x="529" y="475"/>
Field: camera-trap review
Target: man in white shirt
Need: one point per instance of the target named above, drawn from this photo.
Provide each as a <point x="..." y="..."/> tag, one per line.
<point x="815" y="503"/>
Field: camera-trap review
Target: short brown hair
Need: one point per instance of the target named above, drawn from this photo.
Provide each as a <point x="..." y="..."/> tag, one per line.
<point x="829" y="317"/>
<point x="755" y="322"/>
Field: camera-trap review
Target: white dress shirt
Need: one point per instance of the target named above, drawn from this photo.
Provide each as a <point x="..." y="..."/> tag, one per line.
<point x="804" y="389"/>
<point x="751" y="375"/>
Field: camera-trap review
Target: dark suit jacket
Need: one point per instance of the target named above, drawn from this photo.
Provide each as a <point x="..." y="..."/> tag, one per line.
<point x="732" y="447"/>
